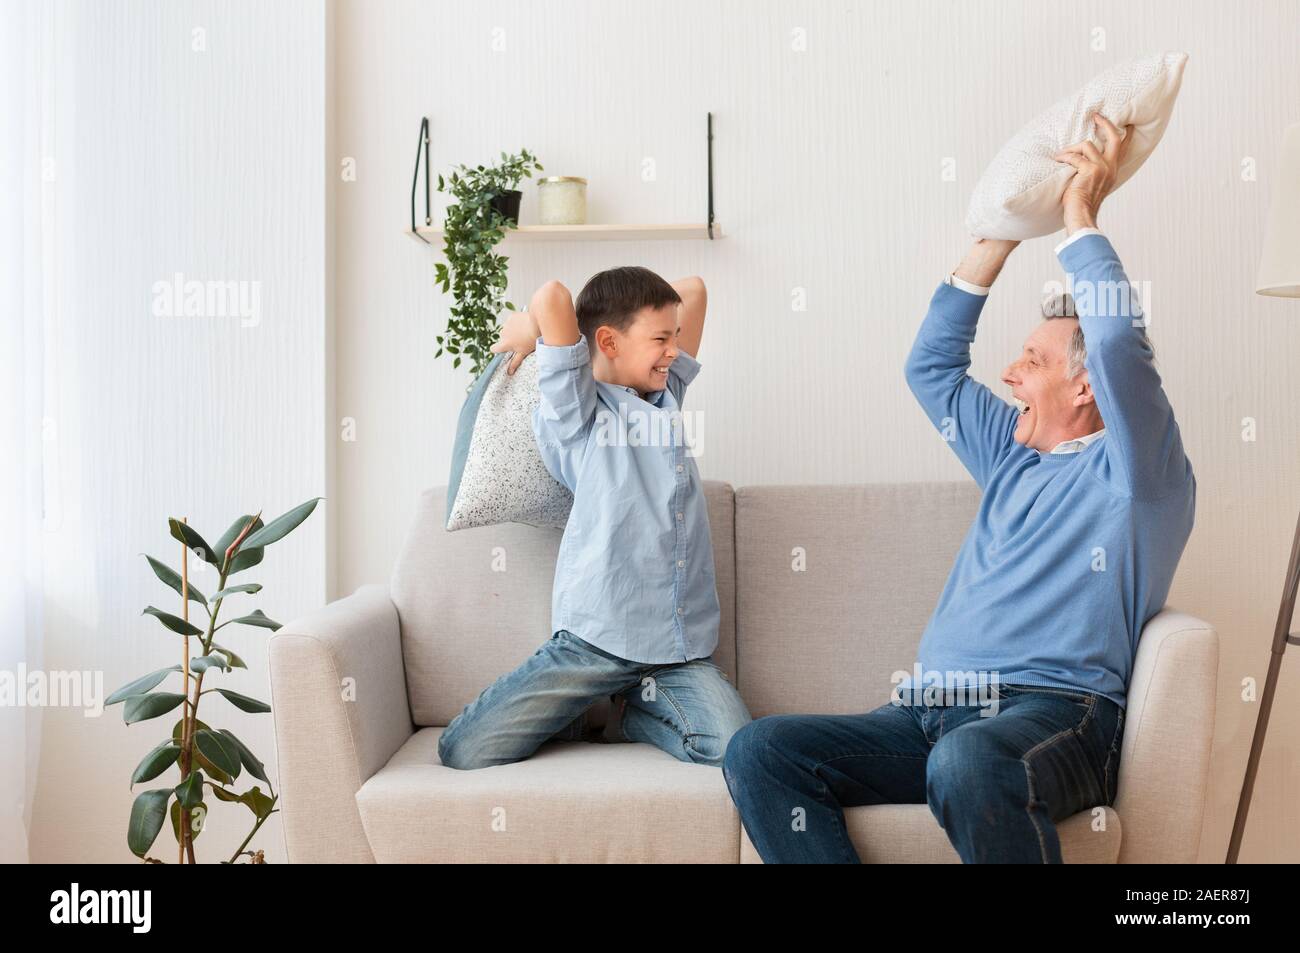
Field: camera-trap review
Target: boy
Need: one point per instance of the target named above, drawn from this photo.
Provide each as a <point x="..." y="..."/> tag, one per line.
<point x="634" y="611"/>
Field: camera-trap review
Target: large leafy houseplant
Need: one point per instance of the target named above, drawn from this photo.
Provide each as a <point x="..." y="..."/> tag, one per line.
<point x="474" y="273"/>
<point x="205" y="757"/>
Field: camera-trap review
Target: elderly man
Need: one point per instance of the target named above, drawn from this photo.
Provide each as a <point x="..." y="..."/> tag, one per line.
<point x="1088" y="500"/>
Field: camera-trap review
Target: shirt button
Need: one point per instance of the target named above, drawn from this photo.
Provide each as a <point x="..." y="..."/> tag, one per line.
<point x="680" y="468"/>
<point x="681" y="563"/>
<point x="680" y="610"/>
<point x="680" y="517"/>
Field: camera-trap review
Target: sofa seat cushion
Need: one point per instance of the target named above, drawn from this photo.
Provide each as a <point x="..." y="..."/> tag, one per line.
<point x="909" y="834"/>
<point x="571" y="802"/>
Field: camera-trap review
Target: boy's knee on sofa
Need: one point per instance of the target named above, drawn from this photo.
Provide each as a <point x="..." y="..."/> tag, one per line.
<point x="452" y="755"/>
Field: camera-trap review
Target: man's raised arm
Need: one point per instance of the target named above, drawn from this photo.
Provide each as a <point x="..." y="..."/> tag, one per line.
<point x="978" y="424"/>
<point x="1143" y="445"/>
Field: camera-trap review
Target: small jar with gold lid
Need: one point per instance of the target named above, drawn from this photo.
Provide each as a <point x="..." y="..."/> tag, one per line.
<point x="562" y="200"/>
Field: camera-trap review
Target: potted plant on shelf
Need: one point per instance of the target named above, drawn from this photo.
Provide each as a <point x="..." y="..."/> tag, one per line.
<point x="204" y="757"/>
<point x="486" y="204"/>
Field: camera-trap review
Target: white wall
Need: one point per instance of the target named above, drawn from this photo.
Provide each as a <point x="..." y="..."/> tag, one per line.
<point x="827" y="167"/>
<point x="208" y="163"/>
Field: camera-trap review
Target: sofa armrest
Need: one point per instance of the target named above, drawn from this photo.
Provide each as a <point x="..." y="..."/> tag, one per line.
<point x="1164" y="770"/>
<point x="338" y="696"/>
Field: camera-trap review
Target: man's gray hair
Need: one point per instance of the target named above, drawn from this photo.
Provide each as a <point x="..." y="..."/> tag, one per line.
<point x="1062" y="306"/>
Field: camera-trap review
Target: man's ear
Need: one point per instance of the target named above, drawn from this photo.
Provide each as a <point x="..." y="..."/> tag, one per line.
<point x="1083" y="390"/>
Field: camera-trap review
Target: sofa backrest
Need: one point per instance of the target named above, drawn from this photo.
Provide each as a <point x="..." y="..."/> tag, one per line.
<point x="475" y="603"/>
<point x="835" y="585"/>
<point x="824" y="590"/>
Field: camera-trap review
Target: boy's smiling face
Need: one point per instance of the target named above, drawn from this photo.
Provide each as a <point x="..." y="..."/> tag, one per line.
<point x="639" y="355"/>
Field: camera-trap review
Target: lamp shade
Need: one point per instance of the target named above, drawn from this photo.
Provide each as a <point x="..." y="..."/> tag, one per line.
<point x="1279" y="266"/>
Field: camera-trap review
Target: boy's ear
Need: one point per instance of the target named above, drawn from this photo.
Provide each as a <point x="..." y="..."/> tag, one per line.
<point x="607" y="341"/>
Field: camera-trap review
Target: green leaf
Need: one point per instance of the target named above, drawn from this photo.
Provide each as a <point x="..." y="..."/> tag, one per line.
<point x="204" y="763"/>
<point x="257" y="617"/>
<point x="212" y="770"/>
<point x="232" y="533"/>
<point x="155" y="763"/>
<point x="282" y="525"/>
<point x="205" y="662"/>
<point x="244" y="587"/>
<point x="235" y="660"/>
<point x="190" y="791"/>
<point x="176" y="729"/>
<point x="253" y="798"/>
<point x="230" y="797"/>
<point x="173" y="579"/>
<point x="141" y="685"/>
<point x="246" y="757"/>
<point x="190" y="537"/>
<point x="198" y="815"/>
<point x="246" y="557"/>
<point x="243" y="702"/>
<point x="259" y="802"/>
<point x="219" y="751"/>
<point x="173" y="622"/>
<point x="151" y="705"/>
<point x="147" y="814"/>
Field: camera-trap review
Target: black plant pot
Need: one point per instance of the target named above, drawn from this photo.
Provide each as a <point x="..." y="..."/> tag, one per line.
<point x="507" y="203"/>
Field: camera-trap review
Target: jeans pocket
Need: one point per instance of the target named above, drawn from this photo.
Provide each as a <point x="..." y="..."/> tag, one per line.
<point x="585" y="647"/>
<point x="1006" y="690"/>
<point x="716" y="667"/>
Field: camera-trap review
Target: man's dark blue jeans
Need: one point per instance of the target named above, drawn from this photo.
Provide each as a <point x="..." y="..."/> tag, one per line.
<point x="996" y="784"/>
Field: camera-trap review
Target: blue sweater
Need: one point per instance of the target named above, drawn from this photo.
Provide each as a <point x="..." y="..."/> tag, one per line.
<point x="1071" y="553"/>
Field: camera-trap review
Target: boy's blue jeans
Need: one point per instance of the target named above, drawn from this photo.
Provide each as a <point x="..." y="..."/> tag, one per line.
<point x="688" y="709"/>
<point x="996" y="784"/>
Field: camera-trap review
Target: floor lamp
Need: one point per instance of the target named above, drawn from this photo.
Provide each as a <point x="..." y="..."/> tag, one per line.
<point x="1279" y="275"/>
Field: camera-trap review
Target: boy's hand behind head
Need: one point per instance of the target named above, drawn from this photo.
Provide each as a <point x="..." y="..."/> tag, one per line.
<point x="519" y="333"/>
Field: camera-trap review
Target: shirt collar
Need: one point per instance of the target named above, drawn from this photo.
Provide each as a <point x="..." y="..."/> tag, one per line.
<point x="1078" y="443"/>
<point x="654" y="397"/>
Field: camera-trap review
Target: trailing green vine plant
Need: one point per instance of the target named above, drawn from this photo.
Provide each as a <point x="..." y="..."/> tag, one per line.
<point x="474" y="273"/>
<point x="205" y="757"/>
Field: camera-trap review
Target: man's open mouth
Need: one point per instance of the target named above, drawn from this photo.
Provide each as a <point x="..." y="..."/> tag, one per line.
<point x="1024" y="406"/>
<point x="663" y="369"/>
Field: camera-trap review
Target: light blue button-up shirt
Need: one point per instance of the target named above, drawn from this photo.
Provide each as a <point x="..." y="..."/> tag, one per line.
<point x="635" y="574"/>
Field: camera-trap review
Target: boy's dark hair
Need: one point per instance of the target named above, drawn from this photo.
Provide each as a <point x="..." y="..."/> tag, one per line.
<point x="612" y="298"/>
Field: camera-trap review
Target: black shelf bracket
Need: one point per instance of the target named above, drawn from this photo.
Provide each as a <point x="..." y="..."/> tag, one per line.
<point x="423" y="146"/>
<point x="710" y="145"/>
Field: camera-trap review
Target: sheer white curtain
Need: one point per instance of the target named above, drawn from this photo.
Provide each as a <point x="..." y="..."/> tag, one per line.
<point x="28" y="167"/>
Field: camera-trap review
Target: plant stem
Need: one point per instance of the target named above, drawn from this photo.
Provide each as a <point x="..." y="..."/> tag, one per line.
<point x="260" y="821"/>
<point x="185" y="662"/>
<point x="188" y="725"/>
<point x="190" y="711"/>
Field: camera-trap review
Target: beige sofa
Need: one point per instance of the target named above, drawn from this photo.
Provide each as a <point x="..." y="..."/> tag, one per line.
<point x="361" y="687"/>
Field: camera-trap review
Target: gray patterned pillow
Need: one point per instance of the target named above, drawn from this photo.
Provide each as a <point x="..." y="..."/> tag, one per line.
<point x="497" y="475"/>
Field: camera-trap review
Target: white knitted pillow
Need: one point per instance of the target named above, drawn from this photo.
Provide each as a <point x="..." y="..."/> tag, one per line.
<point x="1019" y="195"/>
<point x="497" y="473"/>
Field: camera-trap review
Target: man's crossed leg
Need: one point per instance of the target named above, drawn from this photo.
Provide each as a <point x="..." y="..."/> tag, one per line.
<point x="996" y="783"/>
